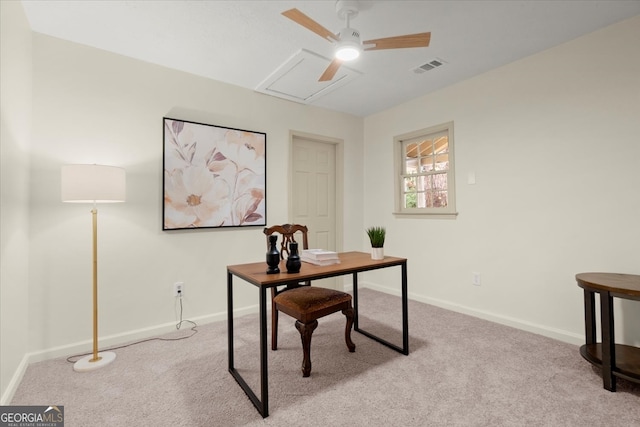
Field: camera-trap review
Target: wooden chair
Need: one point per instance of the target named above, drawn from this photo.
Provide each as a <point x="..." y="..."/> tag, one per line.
<point x="303" y="302"/>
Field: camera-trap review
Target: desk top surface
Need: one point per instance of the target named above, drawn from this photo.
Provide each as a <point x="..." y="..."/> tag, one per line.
<point x="627" y="284"/>
<point x="350" y="262"/>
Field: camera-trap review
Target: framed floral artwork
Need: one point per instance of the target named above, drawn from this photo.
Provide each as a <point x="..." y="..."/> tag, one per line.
<point x="214" y="176"/>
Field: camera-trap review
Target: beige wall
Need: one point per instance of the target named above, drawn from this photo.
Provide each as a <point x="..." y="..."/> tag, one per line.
<point x="553" y="142"/>
<point x="15" y="126"/>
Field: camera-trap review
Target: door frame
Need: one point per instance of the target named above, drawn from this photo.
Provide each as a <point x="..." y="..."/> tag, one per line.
<point x="339" y="202"/>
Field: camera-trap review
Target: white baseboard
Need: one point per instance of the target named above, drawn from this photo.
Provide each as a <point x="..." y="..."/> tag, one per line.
<point x="558" y="334"/>
<point x="105" y="343"/>
<point x="7" y="396"/>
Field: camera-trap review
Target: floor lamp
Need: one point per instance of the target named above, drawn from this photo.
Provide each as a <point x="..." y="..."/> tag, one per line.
<point x="93" y="184"/>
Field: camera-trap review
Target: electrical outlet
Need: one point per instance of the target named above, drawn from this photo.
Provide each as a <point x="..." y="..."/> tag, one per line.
<point x="476" y="279"/>
<point x="178" y="289"/>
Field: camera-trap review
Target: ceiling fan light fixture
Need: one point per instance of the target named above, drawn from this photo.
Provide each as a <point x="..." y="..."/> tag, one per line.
<point x="347" y="50"/>
<point x="349" y="46"/>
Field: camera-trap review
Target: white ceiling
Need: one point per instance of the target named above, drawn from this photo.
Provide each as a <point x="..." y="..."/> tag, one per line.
<point x="245" y="42"/>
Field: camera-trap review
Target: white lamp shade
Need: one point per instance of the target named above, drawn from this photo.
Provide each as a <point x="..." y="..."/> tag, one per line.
<point x="93" y="184"/>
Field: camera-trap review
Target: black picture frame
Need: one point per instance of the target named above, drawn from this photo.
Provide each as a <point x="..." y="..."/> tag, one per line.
<point x="213" y="176"/>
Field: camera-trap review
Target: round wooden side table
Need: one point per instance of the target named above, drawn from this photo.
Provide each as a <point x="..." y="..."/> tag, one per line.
<point x="616" y="360"/>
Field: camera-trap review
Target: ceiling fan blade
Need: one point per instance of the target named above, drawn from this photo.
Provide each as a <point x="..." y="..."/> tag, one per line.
<point x="331" y="71"/>
<point x="302" y="19"/>
<point x="398" y="42"/>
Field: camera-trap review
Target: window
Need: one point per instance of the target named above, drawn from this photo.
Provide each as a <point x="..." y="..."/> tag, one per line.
<point x="425" y="172"/>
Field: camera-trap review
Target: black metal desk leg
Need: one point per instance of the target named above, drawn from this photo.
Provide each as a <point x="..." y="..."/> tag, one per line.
<point x="264" y="385"/>
<point x="262" y="404"/>
<point x="608" y="341"/>
<point x="405" y="313"/>
<point x="355" y="301"/>
<point x="405" y="318"/>
<point x="589" y="317"/>
<point x="230" y="318"/>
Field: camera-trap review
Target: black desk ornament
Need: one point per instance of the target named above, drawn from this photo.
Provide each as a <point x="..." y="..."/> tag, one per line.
<point x="273" y="256"/>
<point x="293" y="262"/>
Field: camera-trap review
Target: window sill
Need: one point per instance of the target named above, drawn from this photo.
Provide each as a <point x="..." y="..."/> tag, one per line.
<point x="433" y="215"/>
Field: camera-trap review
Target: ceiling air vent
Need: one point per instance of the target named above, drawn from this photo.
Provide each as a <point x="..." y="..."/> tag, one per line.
<point x="429" y="66"/>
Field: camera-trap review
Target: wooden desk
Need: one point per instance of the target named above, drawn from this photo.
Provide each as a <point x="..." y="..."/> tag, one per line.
<point x="616" y="360"/>
<point x="255" y="273"/>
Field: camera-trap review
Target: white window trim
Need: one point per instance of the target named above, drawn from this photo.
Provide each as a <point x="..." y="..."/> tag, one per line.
<point x="448" y="212"/>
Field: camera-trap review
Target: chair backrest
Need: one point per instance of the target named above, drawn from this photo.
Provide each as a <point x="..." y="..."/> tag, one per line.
<point x="288" y="232"/>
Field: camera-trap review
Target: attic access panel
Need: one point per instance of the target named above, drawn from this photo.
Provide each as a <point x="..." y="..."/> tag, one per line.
<point x="297" y="79"/>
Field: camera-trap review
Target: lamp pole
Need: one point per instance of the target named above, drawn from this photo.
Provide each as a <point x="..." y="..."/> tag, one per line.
<point x="94" y="215"/>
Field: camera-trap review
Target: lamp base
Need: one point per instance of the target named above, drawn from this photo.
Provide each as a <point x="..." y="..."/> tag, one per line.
<point x="85" y="364"/>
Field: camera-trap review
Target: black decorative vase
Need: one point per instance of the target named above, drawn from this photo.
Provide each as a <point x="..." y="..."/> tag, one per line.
<point x="293" y="262"/>
<point x="273" y="256"/>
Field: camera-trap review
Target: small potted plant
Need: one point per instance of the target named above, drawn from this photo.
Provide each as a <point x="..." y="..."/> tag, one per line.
<point x="376" y="237"/>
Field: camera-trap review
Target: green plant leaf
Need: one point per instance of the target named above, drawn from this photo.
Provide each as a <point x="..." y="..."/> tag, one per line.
<point x="376" y="236"/>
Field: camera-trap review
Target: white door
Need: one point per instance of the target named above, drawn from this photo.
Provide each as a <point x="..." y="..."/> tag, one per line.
<point x="314" y="193"/>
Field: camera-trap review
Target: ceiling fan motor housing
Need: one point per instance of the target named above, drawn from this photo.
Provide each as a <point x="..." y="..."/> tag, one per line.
<point x="349" y="34"/>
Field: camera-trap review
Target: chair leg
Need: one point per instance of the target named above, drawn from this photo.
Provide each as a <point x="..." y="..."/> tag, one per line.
<point x="306" y="330"/>
<point x="347" y="331"/>
<point x="274" y="327"/>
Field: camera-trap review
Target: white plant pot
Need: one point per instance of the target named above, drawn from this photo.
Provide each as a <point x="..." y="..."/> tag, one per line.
<point x="377" y="253"/>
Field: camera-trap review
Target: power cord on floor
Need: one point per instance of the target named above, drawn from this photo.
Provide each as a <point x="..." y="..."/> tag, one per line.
<point x="178" y="326"/>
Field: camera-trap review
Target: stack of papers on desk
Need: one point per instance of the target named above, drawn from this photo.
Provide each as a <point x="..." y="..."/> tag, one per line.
<point x="319" y="257"/>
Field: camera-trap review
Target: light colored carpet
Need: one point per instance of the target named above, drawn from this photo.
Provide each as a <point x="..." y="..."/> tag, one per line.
<point x="461" y="371"/>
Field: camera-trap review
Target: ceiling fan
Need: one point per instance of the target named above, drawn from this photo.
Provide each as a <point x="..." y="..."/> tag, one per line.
<point x="347" y="41"/>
